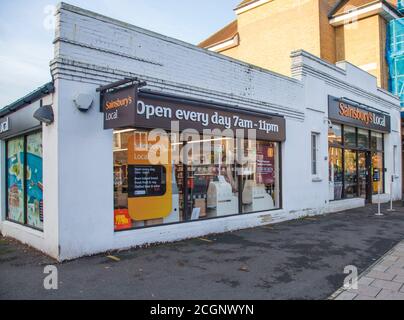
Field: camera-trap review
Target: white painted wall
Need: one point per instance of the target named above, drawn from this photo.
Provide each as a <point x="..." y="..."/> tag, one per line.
<point x="85" y="188"/>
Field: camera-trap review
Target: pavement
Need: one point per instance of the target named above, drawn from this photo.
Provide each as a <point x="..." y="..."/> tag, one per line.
<point x="300" y="259"/>
<point x="382" y="281"/>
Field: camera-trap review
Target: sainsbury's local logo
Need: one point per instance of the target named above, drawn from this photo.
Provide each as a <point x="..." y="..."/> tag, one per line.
<point x="118" y="103"/>
<point x="366" y="117"/>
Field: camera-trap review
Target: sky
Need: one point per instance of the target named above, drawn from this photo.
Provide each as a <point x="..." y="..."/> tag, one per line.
<point x="26" y="32"/>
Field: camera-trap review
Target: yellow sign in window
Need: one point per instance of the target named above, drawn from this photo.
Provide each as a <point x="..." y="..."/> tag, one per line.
<point x="149" y="182"/>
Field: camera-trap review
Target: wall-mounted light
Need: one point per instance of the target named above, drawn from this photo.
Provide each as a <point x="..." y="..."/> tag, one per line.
<point x="45" y="114"/>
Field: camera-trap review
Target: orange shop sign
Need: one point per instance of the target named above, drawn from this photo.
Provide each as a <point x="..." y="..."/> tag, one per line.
<point x="358" y="115"/>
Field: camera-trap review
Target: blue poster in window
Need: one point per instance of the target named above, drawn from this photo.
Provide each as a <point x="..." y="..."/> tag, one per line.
<point x="15" y="179"/>
<point x="34" y="181"/>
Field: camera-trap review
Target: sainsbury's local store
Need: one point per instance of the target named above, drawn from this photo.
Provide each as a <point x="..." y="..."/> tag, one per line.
<point x="141" y="139"/>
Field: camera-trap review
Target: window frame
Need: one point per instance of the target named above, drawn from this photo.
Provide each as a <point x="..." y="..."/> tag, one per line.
<point x="25" y="223"/>
<point x="315" y="152"/>
<point x="395" y="152"/>
<point x="382" y="151"/>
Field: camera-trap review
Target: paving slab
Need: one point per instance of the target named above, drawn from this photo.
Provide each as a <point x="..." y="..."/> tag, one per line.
<point x="367" y="290"/>
<point x="365" y="281"/>
<point x="389" y="285"/>
<point x="386" y="294"/>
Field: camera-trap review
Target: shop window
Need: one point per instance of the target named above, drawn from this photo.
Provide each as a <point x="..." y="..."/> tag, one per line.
<point x="349" y="136"/>
<point x="363" y="139"/>
<point x="376" y="141"/>
<point x="212" y="181"/>
<point x="336" y="173"/>
<point x="363" y="172"/>
<point x="351" y="175"/>
<point x="335" y="134"/>
<point x="15" y="180"/>
<point x="208" y="183"/>
<point x="260" y="177"/>
<point x="24" y="180"/>
<point x="34" y="180"/>
<point x="377" y="172"/>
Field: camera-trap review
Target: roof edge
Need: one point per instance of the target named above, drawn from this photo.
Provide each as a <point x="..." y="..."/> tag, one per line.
<point x="384" y="2"/>
<point x="335" y="8"/>
<point x="28" y="99"/>
<point x="235" y="39"/>
<point x="244" y="4"/>
<point x="201" y="44"/>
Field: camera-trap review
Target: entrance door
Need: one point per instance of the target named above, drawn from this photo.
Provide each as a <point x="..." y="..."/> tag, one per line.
<point x="364" y="177"/>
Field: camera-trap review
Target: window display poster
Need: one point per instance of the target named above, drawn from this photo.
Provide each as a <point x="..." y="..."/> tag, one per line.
<point x="146" y="181"/>
<point x="265" y="163"/>
<point x="34" y="181"/>
<point x="122" y="219"/>
<point x="149" y="186"/>
<point x="15" y="179"/>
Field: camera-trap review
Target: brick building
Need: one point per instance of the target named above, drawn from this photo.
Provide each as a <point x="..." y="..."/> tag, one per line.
<point x="265" y="32"/>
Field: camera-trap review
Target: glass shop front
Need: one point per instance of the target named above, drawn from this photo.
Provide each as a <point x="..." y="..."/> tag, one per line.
<point x="23" y="167"/>
<point x="202" y="162"/>
<point x="356" y="150"/>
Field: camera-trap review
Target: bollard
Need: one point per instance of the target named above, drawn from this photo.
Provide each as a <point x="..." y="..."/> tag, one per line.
<point x="379" y="205"/>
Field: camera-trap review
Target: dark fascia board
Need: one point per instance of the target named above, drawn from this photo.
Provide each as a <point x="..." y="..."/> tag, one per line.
<point x="28" y="99"/>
